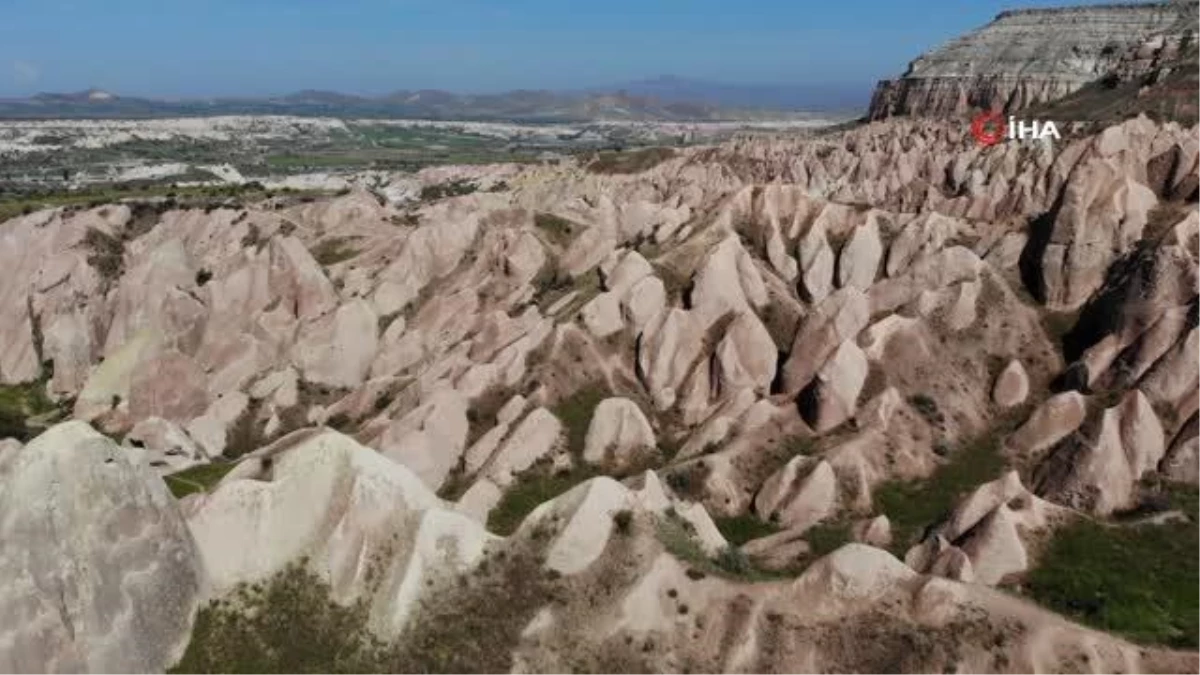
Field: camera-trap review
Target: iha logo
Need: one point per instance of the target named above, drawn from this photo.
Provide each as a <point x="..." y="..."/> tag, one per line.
<point x="990" y="128"/>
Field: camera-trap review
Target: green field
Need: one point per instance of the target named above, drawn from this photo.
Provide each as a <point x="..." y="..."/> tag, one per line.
<point x="1138" y="579"/>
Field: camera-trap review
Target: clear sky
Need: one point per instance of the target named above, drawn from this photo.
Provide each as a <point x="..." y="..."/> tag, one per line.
<point x="171" y="48"/>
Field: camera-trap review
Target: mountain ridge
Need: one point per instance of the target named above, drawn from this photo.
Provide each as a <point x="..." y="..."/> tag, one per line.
<point x="1022" y="58"/>
<point x="525" y="105"/>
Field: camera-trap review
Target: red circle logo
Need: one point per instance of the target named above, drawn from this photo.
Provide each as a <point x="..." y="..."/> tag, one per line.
<point x="989" y="128"/>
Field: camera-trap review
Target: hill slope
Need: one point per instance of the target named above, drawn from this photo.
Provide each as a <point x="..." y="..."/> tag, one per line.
<point x="1027" y="57"/>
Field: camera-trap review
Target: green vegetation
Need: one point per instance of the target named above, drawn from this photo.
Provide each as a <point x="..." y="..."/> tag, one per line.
<point x="687" y="481"/>
<point x="17" y="203"/>
<point x="675" y="282"/>
<point x="1135" y="579"/>
<point x="575" y="412"/>
<point x="914" y="505"/>
<point x="107" y="253"/>
<point x="632" y="161"/>
<point x="678" y="537"/>
<point x="246" y="433"/>
<point x="474" y="626"/>
<point x="481" y="416"/>
<point x="530" y="490"/>
<point x="198" y="478"/>
<point x="738" y="530"/>
<point x="455" y="188"/>
<point x="539" y="484"/>
<point x="557" y="229"/>
<point x="285" y="161"/>
<point x="1058" y="324"/>
<point x="552" y="284"/>
<point x="19" y="404"/>
<point x="826" y="537"/>
<point x="1169" y="94"/>
<point x="732" y="561"/>
<point x="792" y="446"/>
<point x="289" y="624"/>
<point x="334" y="250"/>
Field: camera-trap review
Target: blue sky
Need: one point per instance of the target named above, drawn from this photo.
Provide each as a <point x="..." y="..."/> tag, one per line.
<point x="170" y="48"/>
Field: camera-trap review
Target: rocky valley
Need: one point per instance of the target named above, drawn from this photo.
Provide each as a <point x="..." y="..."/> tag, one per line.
<point x="871" y="399"/>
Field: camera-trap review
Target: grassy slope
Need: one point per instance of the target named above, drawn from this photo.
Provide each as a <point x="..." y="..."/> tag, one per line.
<point x="539" y="484"/>
<point x="914" y="505"/>
<point x="1138" y="580"/>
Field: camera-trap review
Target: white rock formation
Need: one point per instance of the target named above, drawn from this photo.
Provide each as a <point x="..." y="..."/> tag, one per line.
<point x="347" y="510"/>
<point x="98" y="571"/>
<point x="619" y="433"/>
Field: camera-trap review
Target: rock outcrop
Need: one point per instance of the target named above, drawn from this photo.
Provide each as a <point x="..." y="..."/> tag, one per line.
<point x="618" y="434"/>
<point x="348" y="511"/>
<point x="1024" y="57"/>
<point x="1098" y="468"/>
<point x="98" y="572"/>
<point x="1012" y="386"/>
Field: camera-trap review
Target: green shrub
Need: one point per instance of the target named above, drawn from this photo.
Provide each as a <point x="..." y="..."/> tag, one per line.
<point x="481" y="415"/>
<point x="199" y="478"/>
<point x="550" y="280"/>
<point x="531" y="489"/>
<point x="334" y="250"/>
<point x="792" y="446"/>
<point x="738" y="530"/>
<point x="733" y="561"/>
<point x="826" y="537"/>
<point x="557" y="229"/>
<point x="246" y="433"/>
<point x="107" y="253"/>
<point x="253" y="237"/>
<point x="678" y="537"/>
<point x="289" y="624"/>
<point x="19" y="403"/>
<point x="455" y="188"/>
<point x="575" y="412"/>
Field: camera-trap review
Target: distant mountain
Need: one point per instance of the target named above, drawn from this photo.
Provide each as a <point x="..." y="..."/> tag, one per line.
<point x="90" y="95"/>
<point x="839" y="97"/>
<point x="520" y="105"/>
<point x="317" y="97"/>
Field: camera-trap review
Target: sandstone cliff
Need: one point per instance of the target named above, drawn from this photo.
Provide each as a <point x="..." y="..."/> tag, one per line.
<point x="1026" y="57"/>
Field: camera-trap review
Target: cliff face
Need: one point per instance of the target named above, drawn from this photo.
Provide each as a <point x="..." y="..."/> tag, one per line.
<point x="1026" y="57"/>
